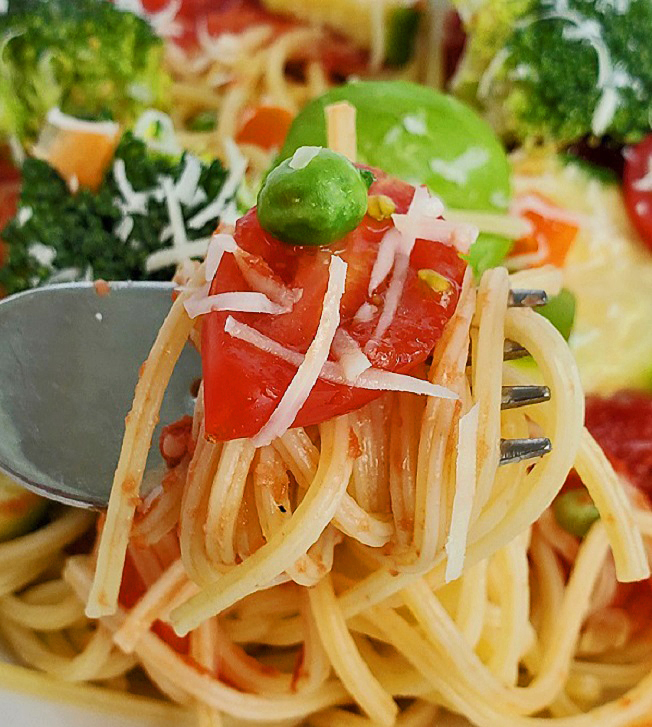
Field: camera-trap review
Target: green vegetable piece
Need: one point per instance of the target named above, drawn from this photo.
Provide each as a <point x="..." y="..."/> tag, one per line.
<point x="313" y="203"/>
<point x="575" y="511"/>
<point x="78" y="232"/>
<point x="560" y="311"/>
<point x="488" y="251"/>
<point x="424" y="137"/>
<point x="85" y="56"/>
<point x="400" y="41"/>
<point x="559" y="71"/>
<point x="203" y="121"/>
<point x="419" y="135"/>
<point x="20" y="509"/>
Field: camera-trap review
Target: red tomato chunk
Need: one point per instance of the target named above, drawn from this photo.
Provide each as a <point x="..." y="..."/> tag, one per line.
<point x="243" y="385"/>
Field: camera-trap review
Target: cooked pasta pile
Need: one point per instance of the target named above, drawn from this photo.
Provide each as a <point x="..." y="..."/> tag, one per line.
<point x="384" y="562"/>
<point x="234" y="74"/>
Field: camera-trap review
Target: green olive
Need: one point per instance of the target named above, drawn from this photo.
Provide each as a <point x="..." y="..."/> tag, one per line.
<point x="575" y="512"/>
<point x="313" y="203"/>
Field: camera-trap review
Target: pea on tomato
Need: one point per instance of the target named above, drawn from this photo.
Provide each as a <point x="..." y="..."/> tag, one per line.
<point x="244" y="384"/>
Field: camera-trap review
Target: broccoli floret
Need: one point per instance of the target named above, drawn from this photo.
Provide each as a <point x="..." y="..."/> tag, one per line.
<point x="561" y="70"/>
<point x="58" y="232"/>
<point x="85" y="56"/>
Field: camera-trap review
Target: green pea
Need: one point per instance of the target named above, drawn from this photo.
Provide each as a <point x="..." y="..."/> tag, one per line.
<point x="313" y="203"/>
<point x="575" y="511"/>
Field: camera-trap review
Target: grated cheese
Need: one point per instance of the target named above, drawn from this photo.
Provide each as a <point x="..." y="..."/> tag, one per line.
<point x="179" y="236"/>
<point x="237" y="167"/>
<point x="240" y="301"/>
<point x="43" y="254"/>
<point x="57" y="118"/>
<point x="384" y="261"/>
<point x="24" y="215"/>
<point x="308" y="372"/>
<point x="303" y="156"/>
<point x="351" y="358"/>
<point x="365" y="313"/>
<point x="163" y="21"/>
<point x="135" y="202"/>
<point x="219" y="244"/>
<point x="123" y="229"/>
<point x="465" y="482"/>
<point x="188" y="183"/>
<point x="371" y="379"/>
<point x="174" y="255"/>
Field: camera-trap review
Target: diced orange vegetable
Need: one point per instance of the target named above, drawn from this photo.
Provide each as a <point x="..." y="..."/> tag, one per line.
<point x="84" y="155"/>
<point x="266" y="127"/>
<point x="550" y="239"/>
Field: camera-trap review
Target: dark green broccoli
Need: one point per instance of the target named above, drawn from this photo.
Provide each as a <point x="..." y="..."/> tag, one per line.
<point x="560" y="70"/>
<point x="85" y="56"/>
<point x="60" y="235"/>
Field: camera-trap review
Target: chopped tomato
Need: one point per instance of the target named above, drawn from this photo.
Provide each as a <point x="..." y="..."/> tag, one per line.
<point x="622" y="426"/>
<point x="131" y="590"/>
<point x="243" y="384"/>
<point x="551" y="236"/>
<point x="266" y="126"/>
<point x="637" y="187"/>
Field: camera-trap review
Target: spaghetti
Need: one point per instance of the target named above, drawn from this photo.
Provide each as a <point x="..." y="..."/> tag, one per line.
<point x="366" y="571"/>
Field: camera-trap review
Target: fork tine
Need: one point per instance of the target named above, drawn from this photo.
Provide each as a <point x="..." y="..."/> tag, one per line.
<point x="515" y="396"/>
<point x="518" y="450"/>
<point x="511" y="352"/>
<point x="527" y="298"/>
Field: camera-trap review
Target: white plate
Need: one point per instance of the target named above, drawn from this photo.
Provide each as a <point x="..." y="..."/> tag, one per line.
<point x="24" y="704"/>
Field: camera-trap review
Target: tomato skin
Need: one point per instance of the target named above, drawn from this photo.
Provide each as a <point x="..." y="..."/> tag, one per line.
<point x="622" y="426"/>
<point x="639" y="201"/>
<point x="243" y="385"/>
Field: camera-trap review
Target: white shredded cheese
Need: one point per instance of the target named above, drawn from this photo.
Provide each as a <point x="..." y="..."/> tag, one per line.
<point x="351" y="358"/>
<point x="308" y="372"/>
<point x="303" y="156"/>
<point x="187" y="184"/>
<point x="459" y="169"/>
<point x="371" y="379"/>
<point x="73" y="184"/>
<point x="65" y="275"/>
<point x="57" y="118"/>
<point x="219" y="244"/>
<point x="384" y="261"/>
<point x="24" y="215"/>
<point x="123" y="228"/>
<point x="237" y="168"/>
<point x="465" y="482"/>
<point x="135" y="202"/>
<point x="43" y="254"/>
<point x="365" y="312"/>
<point x="179" y="236"/>
<point x="240" y="301"/>
<point x="174" y="255"/>
<point x="262" y="282"/>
